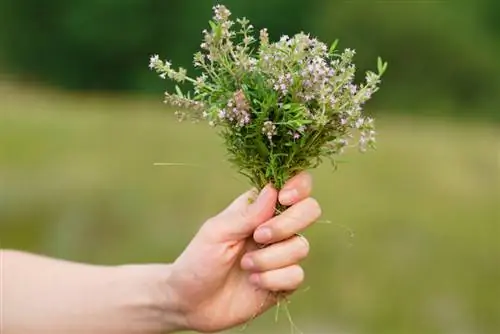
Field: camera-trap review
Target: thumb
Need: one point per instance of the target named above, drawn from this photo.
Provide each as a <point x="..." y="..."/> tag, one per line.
<point x="240" y="219"/>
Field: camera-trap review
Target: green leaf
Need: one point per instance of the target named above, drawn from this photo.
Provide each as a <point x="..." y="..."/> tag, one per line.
<point x="178" y="90"/>
<point x="261" y="147"/>
<point x="213" y="25"/>
<point x="381" y="66"/>
<point x="333" y="46"/>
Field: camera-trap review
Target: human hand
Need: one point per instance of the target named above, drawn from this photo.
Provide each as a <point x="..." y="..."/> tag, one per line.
<point x="223" y="278"/>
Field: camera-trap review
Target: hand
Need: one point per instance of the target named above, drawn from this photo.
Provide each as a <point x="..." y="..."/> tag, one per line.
<point x="223" y="279"/>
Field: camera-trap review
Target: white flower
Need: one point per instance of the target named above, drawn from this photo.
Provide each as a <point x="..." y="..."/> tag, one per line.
<point x="359" y="123"/>
<point x="284" y="38"/>
<point x="153" y="61"/>
<point x="350" y="52"/>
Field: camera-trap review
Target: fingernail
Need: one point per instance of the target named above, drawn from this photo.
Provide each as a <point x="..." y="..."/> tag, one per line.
<point x="263" y="234"/>
<point x="247" y="263"/>
<point x="254" y="279"/>
<point x="288" y="195"/>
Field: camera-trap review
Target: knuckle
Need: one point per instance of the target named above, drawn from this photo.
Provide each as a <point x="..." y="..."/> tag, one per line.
<point x="245" y="213"/>
<point x="211" y="221"/>
<point x="278" y="227"/>
<point x="209" y="227"/>
<point x="265" y="281"/>
<point x="259" y="261"/>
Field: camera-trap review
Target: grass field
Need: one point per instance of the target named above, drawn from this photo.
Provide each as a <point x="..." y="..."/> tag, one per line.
<point x="414" y="247"/>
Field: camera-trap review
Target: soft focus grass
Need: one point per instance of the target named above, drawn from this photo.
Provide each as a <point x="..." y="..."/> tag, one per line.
<point x="78" y="182"/>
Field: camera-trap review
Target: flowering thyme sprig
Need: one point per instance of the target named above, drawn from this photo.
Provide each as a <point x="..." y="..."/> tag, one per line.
<point x="282" y="106"/>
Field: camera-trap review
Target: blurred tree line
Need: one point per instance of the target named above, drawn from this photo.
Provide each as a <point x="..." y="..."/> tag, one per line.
<point x="443" y="55"/>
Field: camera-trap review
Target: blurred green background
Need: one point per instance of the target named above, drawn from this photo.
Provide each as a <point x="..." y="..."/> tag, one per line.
<point x="414" y="244"/>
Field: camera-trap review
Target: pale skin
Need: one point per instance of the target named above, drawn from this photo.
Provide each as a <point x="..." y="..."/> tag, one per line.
<point x="224" y="278"/>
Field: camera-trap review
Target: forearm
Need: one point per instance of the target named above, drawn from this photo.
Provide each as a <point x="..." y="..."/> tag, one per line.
<point x="43" y="295"/>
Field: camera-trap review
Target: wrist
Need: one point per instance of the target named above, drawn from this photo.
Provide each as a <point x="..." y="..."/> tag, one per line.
<point x="155" y="297"/>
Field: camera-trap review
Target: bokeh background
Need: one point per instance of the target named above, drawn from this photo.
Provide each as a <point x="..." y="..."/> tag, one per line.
<point x="413" y="246"/>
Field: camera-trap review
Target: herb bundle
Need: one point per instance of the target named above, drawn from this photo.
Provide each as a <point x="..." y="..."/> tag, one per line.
<point x="281" y="107"/>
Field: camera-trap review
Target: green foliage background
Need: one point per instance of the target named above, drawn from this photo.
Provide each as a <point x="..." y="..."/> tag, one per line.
<point x="443" y="54"/>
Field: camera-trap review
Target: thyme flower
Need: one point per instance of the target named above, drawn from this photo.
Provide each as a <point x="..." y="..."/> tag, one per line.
<point x="281" y="107"/>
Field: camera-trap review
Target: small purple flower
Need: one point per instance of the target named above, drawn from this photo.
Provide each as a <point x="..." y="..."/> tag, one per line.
<point x="238" y="110"/>
<point x="222" y="113"/>
<point x="294" y="135"/>
<point x="269" y="129"/>
<point x="353" y="89"/>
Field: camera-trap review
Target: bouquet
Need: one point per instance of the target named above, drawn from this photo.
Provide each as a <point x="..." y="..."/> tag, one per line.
<point x="281" y="107"/>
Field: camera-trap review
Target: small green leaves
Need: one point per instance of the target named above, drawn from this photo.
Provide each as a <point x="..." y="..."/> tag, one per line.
<point x="381" y="66"/>
<point x="281" y="107"/>
<point x="333" y="47"/>
<point x="178" y="91"/>
<point x="243" y="21"/>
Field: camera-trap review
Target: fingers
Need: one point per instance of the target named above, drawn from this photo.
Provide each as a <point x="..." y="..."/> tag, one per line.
<point x="240" y="219"/>
<point x="283" y="279"/>
<point x="276" y="256"/>
<point x="296" y="189"/>
<point x="275" y="267"/>
<point x="292" y="221"/>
